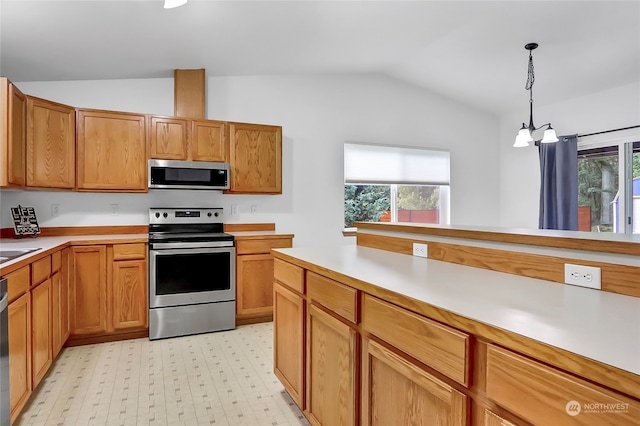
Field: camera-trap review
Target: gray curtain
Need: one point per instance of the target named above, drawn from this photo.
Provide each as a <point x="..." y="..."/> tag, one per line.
<point x="559" y="184"/>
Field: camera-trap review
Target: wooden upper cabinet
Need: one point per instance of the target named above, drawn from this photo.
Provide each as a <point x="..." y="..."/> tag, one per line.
<point x="13" y="118"/>
<point x="208" y="141"/>
<point x="183" y="139"/>
<point x="255" y="157"/>
<point x="112" y="151"/>
<point x="189" y="93"/>
<point x="168" y="138"/>
<point x="50" y="144"/>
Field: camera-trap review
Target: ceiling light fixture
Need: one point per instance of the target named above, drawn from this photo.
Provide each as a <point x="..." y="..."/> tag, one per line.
<point x="525" y="134"/>
<point x="170" y="4"/>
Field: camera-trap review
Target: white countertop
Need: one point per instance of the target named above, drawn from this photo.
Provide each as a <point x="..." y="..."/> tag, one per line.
<point x="47" y="243"/>
<point x="599" y="325"/>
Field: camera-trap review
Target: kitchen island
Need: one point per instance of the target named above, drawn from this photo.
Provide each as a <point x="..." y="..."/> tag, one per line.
<point x="369" y="336"/>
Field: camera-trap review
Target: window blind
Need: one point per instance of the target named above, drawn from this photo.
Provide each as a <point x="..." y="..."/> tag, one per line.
<point x="395" y="165"/>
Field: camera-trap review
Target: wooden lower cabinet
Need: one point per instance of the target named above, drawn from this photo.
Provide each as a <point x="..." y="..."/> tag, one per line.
<point x="492" y="419"/>
<point x="331" y="375"/>
<point x="128" y="294"/>
<point x="88" y="290"/>
<point x="288" y="337"/>
<point x="396" y="391"/>
<point x="109" y="292"/>
<point x="254" y="277"/>
<point x="543" y="395"/>
<point x="41" y="329"/>
<point x="254" y="281"/>
<point x="19" y="353"/>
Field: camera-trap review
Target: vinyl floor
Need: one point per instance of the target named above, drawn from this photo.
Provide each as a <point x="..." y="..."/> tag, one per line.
<point x="223" y="378"/>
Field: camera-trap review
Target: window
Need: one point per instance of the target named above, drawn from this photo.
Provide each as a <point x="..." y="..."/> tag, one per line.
<point x="609" y="183"/>
<point x="597" y="188"/>
<point x="634" y="214"/>
<point x="393" y="184"/>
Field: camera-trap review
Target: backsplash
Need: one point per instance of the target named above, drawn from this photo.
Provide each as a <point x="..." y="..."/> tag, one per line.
<point x="109" y="209"/>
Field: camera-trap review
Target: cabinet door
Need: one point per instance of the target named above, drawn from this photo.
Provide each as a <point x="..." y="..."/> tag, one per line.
<point x="56" y="312"/>
<point x="88" y="290"/>
<point x="492" y="419"/>
<point x="65" y="276"/>
<point x="254" y="284"/>
<point x="208" y="141"/>
<point x="19" y="353"/>
<point x="41" y="329"/>
<point x="288" y="345"/>
<point x="255" y="157"/>
<point x="331" y="375"/>
<point x="13" y="116"/>
<point x="51" y="129"/>
<point x="168" y="138"/>
<point x="396" y="391"/>
<point x="129" y="295"/>
<point x="112" y="151"/>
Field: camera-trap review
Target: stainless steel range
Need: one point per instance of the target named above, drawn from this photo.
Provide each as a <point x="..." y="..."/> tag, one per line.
<point x="192" y="280"/>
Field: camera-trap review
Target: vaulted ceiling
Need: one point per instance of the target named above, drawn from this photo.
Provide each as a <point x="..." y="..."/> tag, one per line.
<point x="470" y="51"/>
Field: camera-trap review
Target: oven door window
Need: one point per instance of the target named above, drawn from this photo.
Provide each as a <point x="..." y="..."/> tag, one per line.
<point x="193" y="273"/>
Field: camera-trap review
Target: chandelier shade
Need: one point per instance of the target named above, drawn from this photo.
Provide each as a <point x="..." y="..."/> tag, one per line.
<point x="170" y="4"/>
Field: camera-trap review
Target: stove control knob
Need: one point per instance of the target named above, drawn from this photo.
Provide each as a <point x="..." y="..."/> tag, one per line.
<point x="216" y="214"/>
<point x="209" y="214"/>
<point x="165" y="215"/>
<point x="157" y="215"/>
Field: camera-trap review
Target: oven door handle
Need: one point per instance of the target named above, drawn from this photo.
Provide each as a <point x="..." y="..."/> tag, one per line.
<point x="192" y="245"/>
<point x="166" y="252"/>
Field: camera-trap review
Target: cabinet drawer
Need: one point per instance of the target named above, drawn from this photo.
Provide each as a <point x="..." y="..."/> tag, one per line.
<point x="18" y="283"/>
<point x="129" y="251"/>
<point x="56" y="261"/>
<point x="544" y="395"/>
<point x="337" y="297"/>
<point x="436" y="345"/>
<point x="261" y="246"/>
<point x="290" y="275"/>
<point x="40" y="270"/>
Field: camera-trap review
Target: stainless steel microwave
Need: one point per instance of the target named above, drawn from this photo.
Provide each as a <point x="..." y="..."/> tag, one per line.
<point x="176" y="174"/>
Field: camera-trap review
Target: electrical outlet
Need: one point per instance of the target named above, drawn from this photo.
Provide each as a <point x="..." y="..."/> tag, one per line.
<point x="55" y="210"/>
<point x="583" y="276"/>
<point x="420" y="250"/>
<point x="234" y="209"/>
<point x="254" y="208"/>
<point x="115" y="209"/>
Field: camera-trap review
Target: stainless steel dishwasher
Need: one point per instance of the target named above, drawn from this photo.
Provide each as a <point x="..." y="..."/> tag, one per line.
<point x="5" y="411"/>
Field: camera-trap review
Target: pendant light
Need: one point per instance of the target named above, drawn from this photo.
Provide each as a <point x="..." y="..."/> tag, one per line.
<point x="170" y="4"/>
<point x="525" y="135"/>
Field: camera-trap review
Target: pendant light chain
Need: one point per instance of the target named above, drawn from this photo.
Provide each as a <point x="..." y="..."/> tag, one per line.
<point x="530" y="78"/>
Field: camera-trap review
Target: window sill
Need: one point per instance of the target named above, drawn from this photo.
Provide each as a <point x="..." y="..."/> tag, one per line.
<point x="349" y="232"/>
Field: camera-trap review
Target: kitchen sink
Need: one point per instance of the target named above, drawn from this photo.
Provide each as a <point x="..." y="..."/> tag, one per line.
<point x="7" y="255"/>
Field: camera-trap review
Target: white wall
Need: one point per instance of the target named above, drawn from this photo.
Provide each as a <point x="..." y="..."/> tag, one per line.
<point x="318" y="114"/>
<point x="519" y="167"/>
